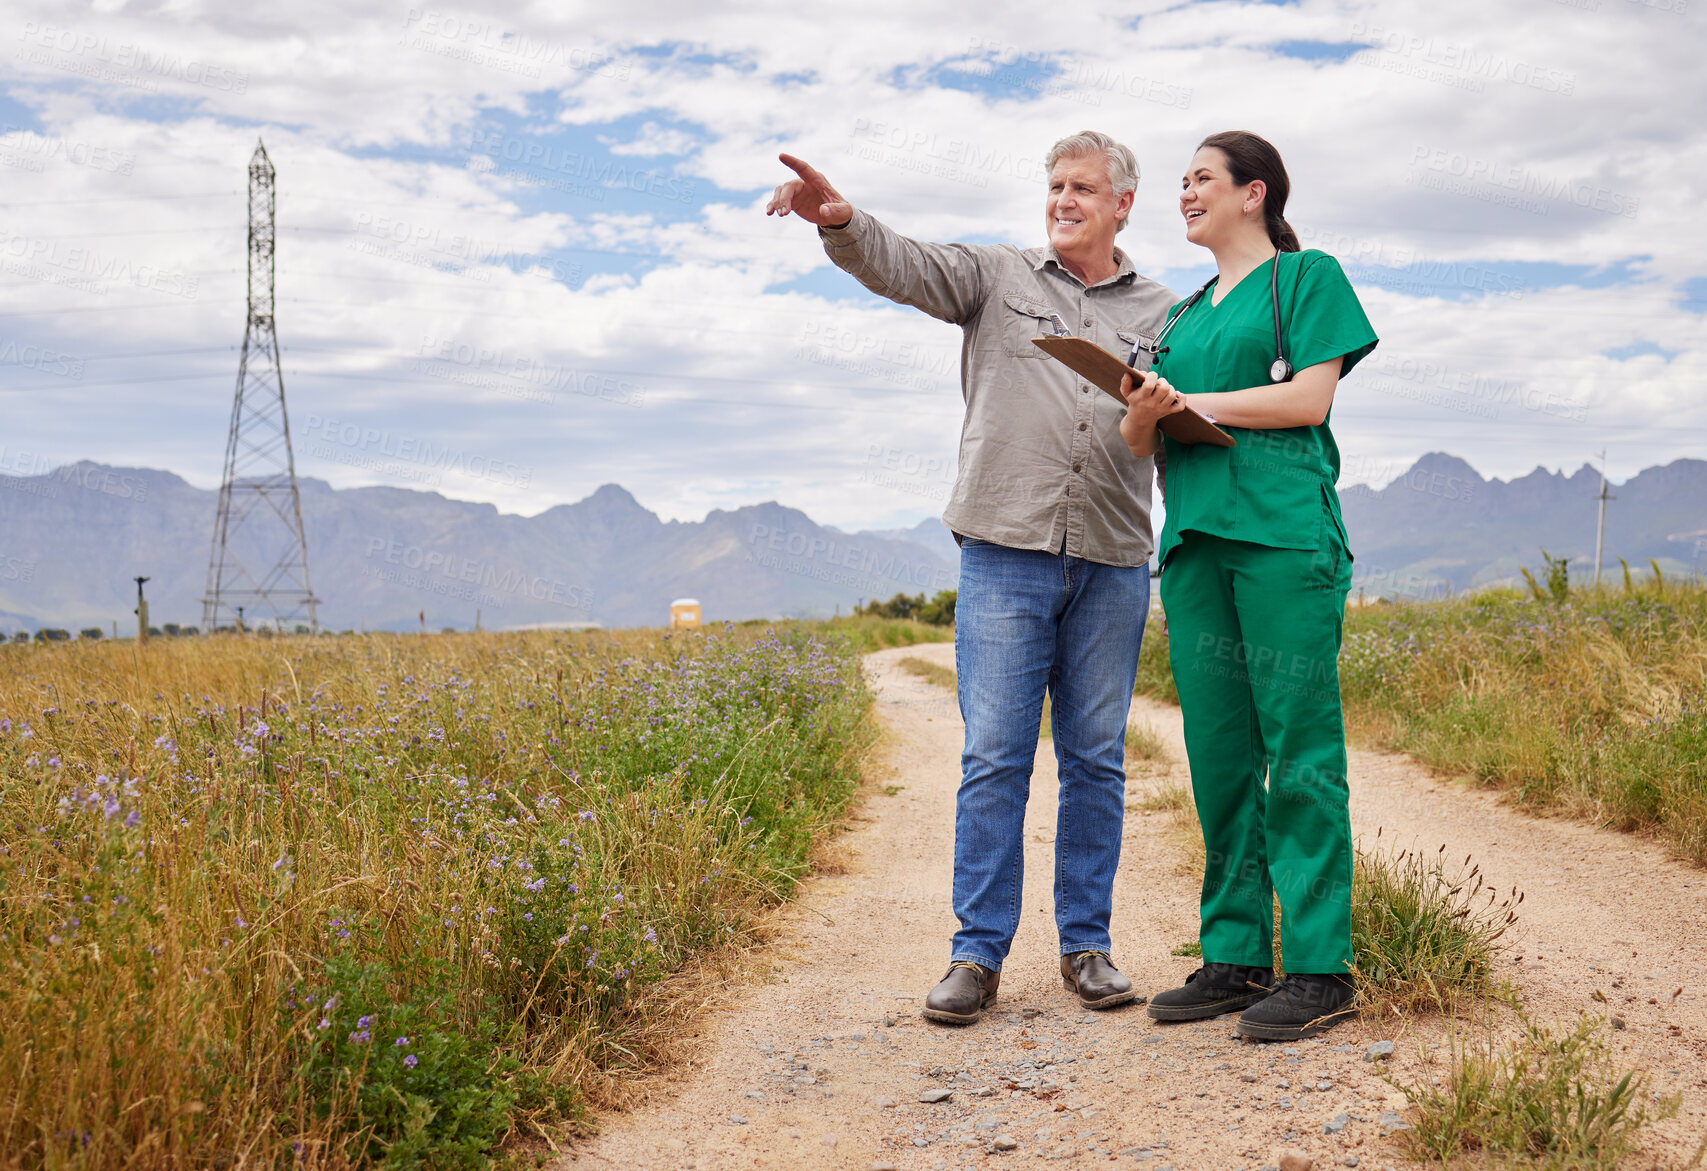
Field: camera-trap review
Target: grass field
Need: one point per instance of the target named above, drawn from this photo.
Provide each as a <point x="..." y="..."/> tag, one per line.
<point x="1594" y="706"/>
<point x="310" y="902"/>
<point x="317" y="902"/>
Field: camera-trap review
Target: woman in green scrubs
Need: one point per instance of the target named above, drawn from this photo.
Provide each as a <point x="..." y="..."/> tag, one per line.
<point x="1255" y="571"/>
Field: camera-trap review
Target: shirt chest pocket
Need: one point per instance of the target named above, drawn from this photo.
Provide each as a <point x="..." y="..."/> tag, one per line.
<point x="1144" y="343"/>
<point x="1022" y="319"/>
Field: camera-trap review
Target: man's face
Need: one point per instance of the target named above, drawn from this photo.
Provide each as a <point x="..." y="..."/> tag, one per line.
<point x="1082" y="210"/>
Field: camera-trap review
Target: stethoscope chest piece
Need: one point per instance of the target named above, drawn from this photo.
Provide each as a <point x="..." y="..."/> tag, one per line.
<point x="1280" y="371"/>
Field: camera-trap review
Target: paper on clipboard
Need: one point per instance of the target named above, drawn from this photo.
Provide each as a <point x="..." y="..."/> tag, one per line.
<point x="1086" y="358"/>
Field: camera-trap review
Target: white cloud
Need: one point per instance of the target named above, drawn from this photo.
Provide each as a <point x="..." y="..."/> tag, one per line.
<point x="654" y="140"/>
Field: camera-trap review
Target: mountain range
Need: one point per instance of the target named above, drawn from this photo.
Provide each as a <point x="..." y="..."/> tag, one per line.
<point x="1440" y="528"/>
<point x="385" y="558"/>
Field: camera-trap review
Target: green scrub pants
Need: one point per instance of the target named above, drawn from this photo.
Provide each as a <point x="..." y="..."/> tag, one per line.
<point x="1254" y="639"/>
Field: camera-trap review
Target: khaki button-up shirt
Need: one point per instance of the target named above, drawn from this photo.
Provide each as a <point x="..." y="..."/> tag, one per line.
<point x="1042" y="464"/>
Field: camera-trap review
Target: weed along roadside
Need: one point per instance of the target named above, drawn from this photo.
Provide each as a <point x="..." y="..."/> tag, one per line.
<point x="402" y="899"/>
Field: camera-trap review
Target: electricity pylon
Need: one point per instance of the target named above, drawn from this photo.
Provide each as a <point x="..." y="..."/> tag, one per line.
<point x="258" y="497"/>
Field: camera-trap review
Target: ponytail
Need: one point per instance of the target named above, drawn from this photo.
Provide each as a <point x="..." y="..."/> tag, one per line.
<point x="1251" y="157"/>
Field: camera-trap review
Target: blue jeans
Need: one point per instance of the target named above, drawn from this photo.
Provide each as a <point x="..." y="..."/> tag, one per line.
<point x="1026" y="621"/>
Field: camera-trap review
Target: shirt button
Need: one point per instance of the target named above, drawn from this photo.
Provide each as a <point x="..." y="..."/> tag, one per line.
<point x="1084" y="426"/>
<point x="1077" y="468"/>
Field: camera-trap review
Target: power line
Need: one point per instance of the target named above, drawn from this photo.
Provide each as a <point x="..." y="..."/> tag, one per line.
<point x="124" y="199"/>
<point x="174" y="272"/>
<point x="141" y="354"/>
<point x="103" y="308"/>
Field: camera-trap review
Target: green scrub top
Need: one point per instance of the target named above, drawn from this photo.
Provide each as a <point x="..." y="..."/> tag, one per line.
<point x="1276" y="486"/>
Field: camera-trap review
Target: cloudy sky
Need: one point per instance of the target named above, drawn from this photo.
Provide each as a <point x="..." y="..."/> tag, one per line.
<point x="521" y="250"/>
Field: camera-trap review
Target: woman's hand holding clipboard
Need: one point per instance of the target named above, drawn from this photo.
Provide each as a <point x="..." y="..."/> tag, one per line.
<point x="1091" y="361"/>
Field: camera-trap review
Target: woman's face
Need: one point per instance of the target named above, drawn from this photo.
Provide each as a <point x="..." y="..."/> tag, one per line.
<point x="1214" y="206"/>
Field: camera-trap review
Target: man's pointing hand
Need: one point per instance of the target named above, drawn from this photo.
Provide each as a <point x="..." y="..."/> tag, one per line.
<point x="810" y="197"/>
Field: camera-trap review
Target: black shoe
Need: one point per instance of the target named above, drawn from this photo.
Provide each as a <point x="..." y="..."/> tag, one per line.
<point x="1095" y="978"/>
<point x="963" y="994"/>
<point x="1305" y="1004"/>
<point x="1212" y="990"/>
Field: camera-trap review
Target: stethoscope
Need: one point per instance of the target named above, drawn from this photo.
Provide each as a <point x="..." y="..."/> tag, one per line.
<point x="1280" y="370"/>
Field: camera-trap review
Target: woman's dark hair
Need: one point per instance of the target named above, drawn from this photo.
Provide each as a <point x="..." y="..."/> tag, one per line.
<point x="1250" y="157"/>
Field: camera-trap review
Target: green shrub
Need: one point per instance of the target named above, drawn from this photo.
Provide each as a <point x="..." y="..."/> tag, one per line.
<point x="1424" y="938"/>
<point x="938" y="611"/>
<point x="1552" y="1101"/>
<point x="414" y="1088"/>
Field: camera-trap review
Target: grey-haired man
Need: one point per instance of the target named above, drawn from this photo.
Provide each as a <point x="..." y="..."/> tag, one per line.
<point x="1053" y="514"/>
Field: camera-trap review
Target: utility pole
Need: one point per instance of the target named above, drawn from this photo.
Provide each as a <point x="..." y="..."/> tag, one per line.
<point x="1600" y="530"/>
<point x="141" y="612"/>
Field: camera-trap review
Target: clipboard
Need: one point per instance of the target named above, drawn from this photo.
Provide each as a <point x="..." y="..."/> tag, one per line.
<point x="1086" y="358"/>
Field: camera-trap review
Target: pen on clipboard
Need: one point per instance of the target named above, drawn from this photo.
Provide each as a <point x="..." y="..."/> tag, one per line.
<point x="1132" y="361"/>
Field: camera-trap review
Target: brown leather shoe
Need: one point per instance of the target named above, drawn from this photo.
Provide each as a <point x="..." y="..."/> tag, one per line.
<point x="963" y="994"/>
<point x="1097" y="981"/>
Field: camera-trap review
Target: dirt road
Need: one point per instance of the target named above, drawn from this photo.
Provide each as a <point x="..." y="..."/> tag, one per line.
<point x="825" y="1065"/>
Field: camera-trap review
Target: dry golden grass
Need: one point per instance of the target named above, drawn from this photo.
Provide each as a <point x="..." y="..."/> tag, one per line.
<point x="305" y="901"/>
<point x="928" y="671"/>
<point x="1592" y="704"/>
<point x="1595" y="707"/>
<point x="1143" y="743"/>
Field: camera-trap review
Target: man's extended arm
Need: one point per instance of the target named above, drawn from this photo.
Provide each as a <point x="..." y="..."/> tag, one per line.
<point x="944" y="280"/>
